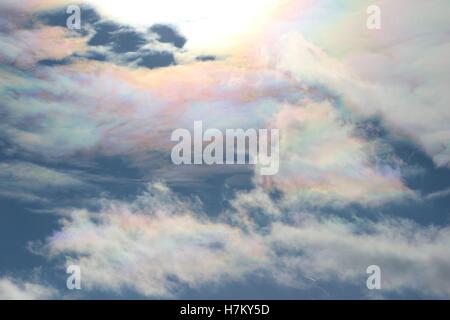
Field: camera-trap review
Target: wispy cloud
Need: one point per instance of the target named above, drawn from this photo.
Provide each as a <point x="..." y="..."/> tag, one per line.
<point x="14" y="289"/>
<point x="168" y="245"/>
<point x="29" y="182"/>
<point x="159" y="244"/>
<point x="438" y="194"/>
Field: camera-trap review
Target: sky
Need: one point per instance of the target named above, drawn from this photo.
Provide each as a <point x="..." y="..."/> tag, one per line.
<point x="86" y="176"/>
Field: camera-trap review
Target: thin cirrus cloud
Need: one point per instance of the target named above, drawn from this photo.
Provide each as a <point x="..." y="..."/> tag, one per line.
<point x="29" y="182"/>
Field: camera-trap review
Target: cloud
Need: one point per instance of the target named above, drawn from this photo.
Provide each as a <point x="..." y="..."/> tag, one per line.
<point x="206" y="58"/>
<point x="168" y="34"/>
<point x="153" y="59"/>
<point x="160" y="244"/>
<point x="57" y="17"/>
<point x="322" y="158"/>
<point x="108" y="40"/>
<point x="411" y="257"/>
<point x="25" y="47"/>
<point x="82" y="97"/>
<point x="438" y="194"/>
<point x="29" y="182"/>
<point x="154" y="246"/>
<point x="120" y="38"/>
<point x="325" y="162"/>
<point x="56" y="112"/>
<point x="395" y="73"/>
<point x="13" y="289"/>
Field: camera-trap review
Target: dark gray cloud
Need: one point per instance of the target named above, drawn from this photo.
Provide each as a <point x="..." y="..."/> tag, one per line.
<point x="155" y="59"/>
<point x="168" y="34"/>
<point x="206" y="58"/>
<point x="117" y="43"/>
<point x="94" y="55"/>
<point x="58" y="17"/>
<point x="120" y="39"/>
<point x="54" y="62"/>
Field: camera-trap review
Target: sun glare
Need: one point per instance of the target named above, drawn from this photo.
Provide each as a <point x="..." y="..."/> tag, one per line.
<point x="208" y="24"/>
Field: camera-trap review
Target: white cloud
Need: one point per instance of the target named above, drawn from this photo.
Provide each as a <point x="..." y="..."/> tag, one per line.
<point x="159" y="243"/>
<point x="399" y="73"/>
<point x="411" y="257"/>
<point x="323" y="161"/>
<point x="153" y="246"/>
<point x="438" y="194"/>
<point x="13" y="289"/>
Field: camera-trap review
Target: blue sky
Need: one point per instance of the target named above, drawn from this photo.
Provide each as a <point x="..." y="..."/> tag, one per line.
<point x="86" y="176"/>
